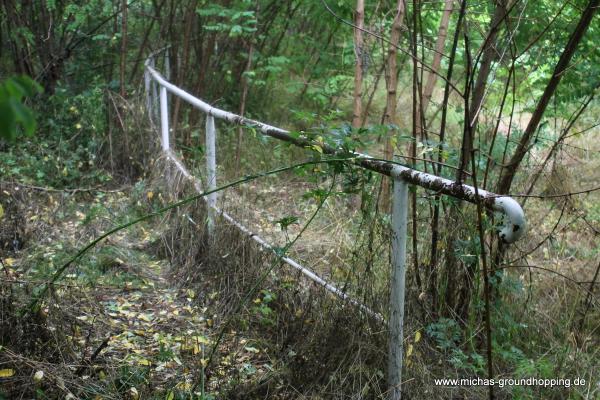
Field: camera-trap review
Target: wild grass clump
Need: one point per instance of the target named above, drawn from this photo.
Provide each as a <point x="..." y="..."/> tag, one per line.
<point x="316" y="343"/>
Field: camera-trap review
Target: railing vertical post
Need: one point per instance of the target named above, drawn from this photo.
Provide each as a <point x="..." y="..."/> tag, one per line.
<point x="154" y="86"/>
<point x="396" y="320"/>
<point x="164" y="118"/>
<point x="211" y="170"/>
<point x="147" y="85"/>
<point x="167" y="65"/>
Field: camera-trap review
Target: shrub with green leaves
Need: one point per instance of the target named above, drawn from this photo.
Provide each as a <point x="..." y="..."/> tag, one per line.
<point x="13" y="113"/>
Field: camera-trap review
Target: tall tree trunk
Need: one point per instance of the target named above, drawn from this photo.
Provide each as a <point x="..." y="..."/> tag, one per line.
<point x="123" y="45"/>
<point x="489" y="53"/>
<point x="391" y="79"/>
<point x="459" y="278"/>
<point x="416" y="133"/>
<point x="138" y="59"/>
<point x="207" y="52"/>
<point x="437" y="56"/>
<point x="240" y="133"/>
<point x="122" y="73"/>
<point x="318" y="53"/>
<point x="190" y="15"/>
<point x="372" y="95"/>
<point x="508" y="172"/>
<point x="359" y="21"/>
<point x="435" y="226"/>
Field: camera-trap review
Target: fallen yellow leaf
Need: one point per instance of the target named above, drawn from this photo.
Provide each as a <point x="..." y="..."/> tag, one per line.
<point x="409" y="351"/>
<point x="145" y="317"/>
<point x="6" y="373"/>
<point x="184" y="385"/>
<point x="201" y="339"/>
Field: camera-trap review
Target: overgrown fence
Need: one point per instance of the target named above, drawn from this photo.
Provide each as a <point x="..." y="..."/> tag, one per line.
<point x="157" y="89"/>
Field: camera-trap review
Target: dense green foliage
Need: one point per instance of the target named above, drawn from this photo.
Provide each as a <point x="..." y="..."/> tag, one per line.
<point x="13" y="113"/>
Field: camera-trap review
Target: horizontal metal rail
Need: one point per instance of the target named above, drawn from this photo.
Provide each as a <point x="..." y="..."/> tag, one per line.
<point x="211" y="199"/>
<point x="264" y="244"/>
<point x="514" y="226"/>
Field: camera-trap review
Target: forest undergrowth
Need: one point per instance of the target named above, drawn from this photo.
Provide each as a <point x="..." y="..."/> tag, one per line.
<point x="115" y="285"/>
<point x="137" y="317"/>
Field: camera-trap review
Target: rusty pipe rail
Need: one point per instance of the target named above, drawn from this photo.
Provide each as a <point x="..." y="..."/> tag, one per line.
<point x="515" y="223"/>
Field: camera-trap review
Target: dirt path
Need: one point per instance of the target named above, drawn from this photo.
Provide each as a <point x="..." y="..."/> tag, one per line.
<point x="159" y="331"/>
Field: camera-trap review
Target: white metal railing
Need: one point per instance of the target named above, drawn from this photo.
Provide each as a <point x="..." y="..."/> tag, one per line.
<point x="514" y="226"/>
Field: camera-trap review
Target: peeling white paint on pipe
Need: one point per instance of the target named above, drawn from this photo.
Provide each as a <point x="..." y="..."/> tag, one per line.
<point x="397" y="292"/>
<point x="208" y="109"/>
<point x="515" y="224"/>
<point x="513" y="229"/>
<point x="147" y="87"/>
<point x="211" y="170"/>
<point x="164" y="118"/>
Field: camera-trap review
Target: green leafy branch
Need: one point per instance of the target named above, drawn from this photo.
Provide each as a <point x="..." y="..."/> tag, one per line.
<point x="12" y="110"/>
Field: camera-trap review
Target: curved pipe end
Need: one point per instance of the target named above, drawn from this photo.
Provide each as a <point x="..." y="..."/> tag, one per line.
<point x="515" y="224"/>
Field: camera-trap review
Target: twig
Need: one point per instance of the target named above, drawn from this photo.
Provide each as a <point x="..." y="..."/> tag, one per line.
<point x="278" y="256"/>
<point x="548" y="236"/>
<point x="551" y="196"/>
<point x="578" y="283"/>
<point x="75" y="190"/>
<point x="96" y="353"/>
<point x="588" y="299"/>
